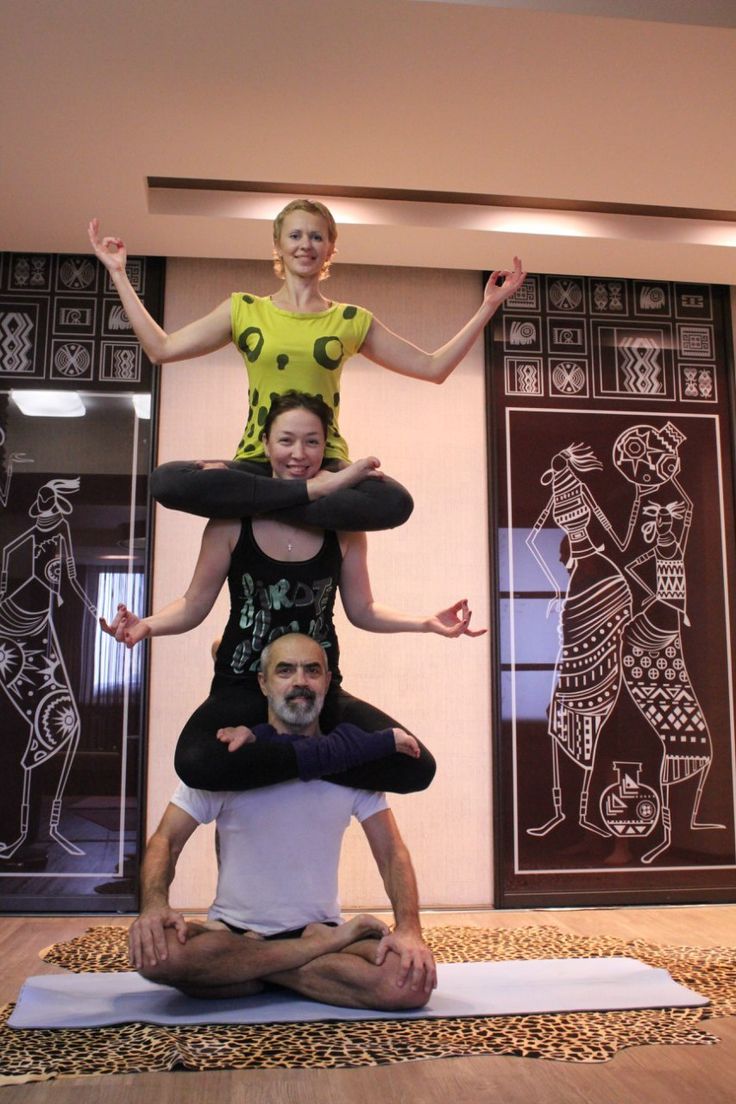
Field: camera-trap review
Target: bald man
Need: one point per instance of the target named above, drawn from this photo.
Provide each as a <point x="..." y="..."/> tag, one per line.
<point x="276" y="915"/>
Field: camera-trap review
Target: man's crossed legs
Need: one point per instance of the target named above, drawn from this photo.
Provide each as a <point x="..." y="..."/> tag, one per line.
<point x="351" y="965"/>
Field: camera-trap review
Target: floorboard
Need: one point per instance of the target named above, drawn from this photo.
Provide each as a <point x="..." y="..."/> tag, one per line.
<point x="651" y="1074"/>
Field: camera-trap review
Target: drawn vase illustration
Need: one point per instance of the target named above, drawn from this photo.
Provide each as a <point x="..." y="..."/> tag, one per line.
<point x="629" y="807"/>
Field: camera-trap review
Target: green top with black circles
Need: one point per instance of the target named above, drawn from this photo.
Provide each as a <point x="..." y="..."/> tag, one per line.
<point x="285" y="350"/>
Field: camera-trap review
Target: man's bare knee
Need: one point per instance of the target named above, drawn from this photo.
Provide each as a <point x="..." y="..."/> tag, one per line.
<point x="392" y="997"/>
<point x="169" y="970"/>
<point x="179" y="967"/>
<point x="389" y="996"/>
<point x="334" y="980"/>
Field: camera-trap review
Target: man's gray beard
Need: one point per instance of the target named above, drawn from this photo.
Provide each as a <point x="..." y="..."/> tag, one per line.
<point x="298" y="712"/>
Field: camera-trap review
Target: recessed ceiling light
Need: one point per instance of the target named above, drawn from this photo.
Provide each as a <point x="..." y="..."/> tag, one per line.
<point x="49" y="404"/>
<point x="142" y="404"/>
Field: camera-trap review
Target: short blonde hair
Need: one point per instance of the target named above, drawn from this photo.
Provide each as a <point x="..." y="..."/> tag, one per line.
<point x="312" y="207"/>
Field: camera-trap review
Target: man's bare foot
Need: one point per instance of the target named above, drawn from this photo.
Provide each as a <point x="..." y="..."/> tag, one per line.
<point x="210" y="925"/>
<point x="197" y="927"/>
<point x="405" y="743"/>
<point x="362" y="926"/>
<point x="327" y="482"/>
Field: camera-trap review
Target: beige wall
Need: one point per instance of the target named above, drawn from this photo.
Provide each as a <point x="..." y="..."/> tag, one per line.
<point x="433" y="440"/>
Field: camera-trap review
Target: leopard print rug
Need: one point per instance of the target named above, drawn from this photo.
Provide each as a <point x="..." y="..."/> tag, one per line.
<point x="573" y="1037"/>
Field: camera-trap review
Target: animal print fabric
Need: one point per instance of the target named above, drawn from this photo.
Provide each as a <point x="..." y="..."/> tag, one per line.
<point x="570" y="1037"/>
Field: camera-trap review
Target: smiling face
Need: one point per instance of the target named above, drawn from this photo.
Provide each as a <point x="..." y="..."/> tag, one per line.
<point x="295" y="444"/>
<point x="294" y="678"/>
<point x="303" y="246"/>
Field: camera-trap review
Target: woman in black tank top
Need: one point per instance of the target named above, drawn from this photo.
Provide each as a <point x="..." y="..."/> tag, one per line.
<point x="283" y="578"/>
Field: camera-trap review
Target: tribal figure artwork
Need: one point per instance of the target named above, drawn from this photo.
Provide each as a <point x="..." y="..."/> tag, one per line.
<point x="655" y="673"/>
<point x="33" y="674"/>
<point x="595" y="610"/>
<point x="612" y="637"/>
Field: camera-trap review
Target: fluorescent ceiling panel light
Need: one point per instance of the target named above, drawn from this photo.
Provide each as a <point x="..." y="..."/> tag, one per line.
<point x="49" y="404"/>
<point x="142" y="404"/>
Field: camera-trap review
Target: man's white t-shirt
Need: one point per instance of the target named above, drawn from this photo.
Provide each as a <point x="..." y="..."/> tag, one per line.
<point x="279" y="850"/>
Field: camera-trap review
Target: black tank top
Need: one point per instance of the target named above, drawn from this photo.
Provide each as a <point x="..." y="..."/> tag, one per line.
<point x="269" y="598"/>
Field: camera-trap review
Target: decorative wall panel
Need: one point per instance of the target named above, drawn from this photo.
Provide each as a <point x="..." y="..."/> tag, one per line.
<point x="611" y="436"/>
<point x="74" y="526"/>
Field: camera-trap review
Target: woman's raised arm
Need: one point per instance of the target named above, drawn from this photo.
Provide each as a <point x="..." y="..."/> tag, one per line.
<point x="205" y="335"/>
<point x="389" y="350"/>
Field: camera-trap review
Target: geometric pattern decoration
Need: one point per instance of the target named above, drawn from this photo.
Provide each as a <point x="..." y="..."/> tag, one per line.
<point x="565" y="294"/>
<point x="652" y="299"/>
<point x="567" y="335"/>
<point x="640" y="365"/>
<point x="62" y="324"/>
<point x="527" y="296"/>
<point x="568" y="377"/>
<point x="697" y="381"/>
<point x="662" y="346"/>
<point x="523" y="335"/>
<point x="634" y="361"/>
<point x="693" y="301"/>
<point x="524" y="376"/>
<point x="608" y="296"/>
<point x="71" y="359"/>
<point x="120" y="362"/>
<point x="695" y="341"/>
<point x="16" y="341"/>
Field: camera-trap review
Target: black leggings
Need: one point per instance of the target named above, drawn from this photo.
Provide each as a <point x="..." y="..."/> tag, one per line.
<point x="240" y="490"/>
<point x="203" y="762"/>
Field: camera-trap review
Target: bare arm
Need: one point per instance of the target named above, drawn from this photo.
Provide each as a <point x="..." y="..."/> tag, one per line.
<point x="394" y="863"/>
<point x="198" y="338"/>
<point x="147" y="937"/>
<point x="365" y="613"/>
<point x="398" y="355"/>
<point x="184" y="613"/>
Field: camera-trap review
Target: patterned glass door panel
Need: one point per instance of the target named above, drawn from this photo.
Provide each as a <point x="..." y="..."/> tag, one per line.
<point x="611" y="426"/>
<point x="74" y="525"/>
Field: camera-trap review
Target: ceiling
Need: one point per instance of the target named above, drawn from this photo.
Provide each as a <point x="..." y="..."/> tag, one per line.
<point x="550" y="107"/>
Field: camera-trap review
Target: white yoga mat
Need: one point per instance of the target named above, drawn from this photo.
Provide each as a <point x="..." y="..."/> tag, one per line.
<point x="464" y="989"/>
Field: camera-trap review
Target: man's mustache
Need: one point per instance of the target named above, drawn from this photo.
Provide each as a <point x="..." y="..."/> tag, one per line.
<point x="301" y="692"/>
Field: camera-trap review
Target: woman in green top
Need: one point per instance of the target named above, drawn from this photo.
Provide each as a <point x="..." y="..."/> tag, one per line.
<point x="294" y="339"/>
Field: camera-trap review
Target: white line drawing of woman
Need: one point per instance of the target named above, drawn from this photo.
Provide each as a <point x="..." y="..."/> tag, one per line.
<point x="13" y="459"/>
<point x="34" y="676"/>
<point x="596" y="607"/>
<point x="649" y="457"/>
<point x="655" y="673"/>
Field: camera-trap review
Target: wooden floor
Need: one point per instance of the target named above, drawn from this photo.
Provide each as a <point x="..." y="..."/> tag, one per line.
<point x="650" y="1074"/>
